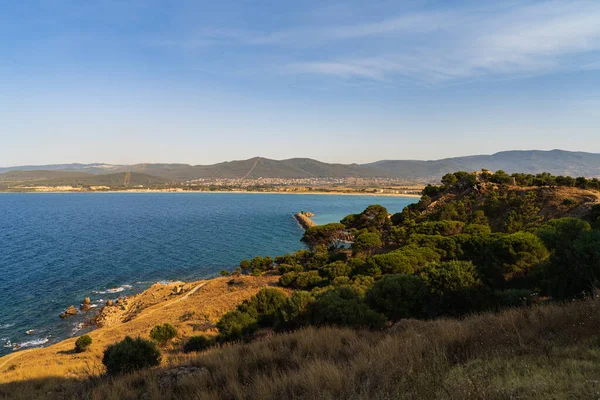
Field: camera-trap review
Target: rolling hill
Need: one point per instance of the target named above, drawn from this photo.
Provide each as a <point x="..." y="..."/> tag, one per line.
<point x="82" y="179"/>
<point x="557" y="162"/>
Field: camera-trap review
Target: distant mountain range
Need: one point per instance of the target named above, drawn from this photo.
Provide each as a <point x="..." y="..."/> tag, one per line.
<point x="557" y="162"/>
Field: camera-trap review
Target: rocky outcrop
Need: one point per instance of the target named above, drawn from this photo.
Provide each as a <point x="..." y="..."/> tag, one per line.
<point x="86" y="305"/>
<point x="304" y="220"/>
<point x="69" y="311"/>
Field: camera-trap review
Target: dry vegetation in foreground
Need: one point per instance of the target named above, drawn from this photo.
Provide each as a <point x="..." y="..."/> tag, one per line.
<point x="192" y="313"/>
<point x="550" y="351"/>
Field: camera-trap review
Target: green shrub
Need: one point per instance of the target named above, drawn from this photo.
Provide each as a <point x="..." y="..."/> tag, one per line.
<point x="264" y="306"/>
<point x="477" y="229"/>
<point x="444" y="228"/>
<point x="333" y="270"/>
<point x="285" y="268"/>
<point x="366" y="242"/>
<point x="344" y="307"/>
<point x="405" y="260"/>
<point x="225" y="273"/>
<point x="574" y="267"/>
<point x="294" y="312"/>
<point x="308" y="280"/>
<point x="130" y="355"/>
<point x="162" y="334"/>
<point x="236" y="325"/>
<point x="398" y="296"/>
<point x="452" y="287"/>
<point x="82" y="343"/>
<point x="288" y="278"/>
<point x="197" y="343"/>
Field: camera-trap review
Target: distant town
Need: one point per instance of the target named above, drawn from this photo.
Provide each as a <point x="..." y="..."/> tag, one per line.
<point x="382" y="186"/>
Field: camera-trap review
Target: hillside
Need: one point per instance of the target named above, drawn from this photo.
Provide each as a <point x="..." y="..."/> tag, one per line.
<point x="548" y="351"/>
<point x="193" y="309"/>
<point x="15" y="179"/>
<point x="486" y="288"/>
<point x="556" y="162"/>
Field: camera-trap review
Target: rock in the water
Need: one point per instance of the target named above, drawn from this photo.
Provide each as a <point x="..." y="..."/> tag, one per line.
<point x="69" y="311"/>
<point x="85" y="307"/>
<point x="87" y="301"/>
<point x="109" y="302"/>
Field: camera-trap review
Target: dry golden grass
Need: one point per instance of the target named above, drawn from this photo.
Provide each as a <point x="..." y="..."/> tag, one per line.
<point x="545" y="352"/>
<point x="191" y="313"/>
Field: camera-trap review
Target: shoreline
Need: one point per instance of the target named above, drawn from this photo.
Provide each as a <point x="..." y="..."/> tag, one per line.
<point x="217" y="192"/>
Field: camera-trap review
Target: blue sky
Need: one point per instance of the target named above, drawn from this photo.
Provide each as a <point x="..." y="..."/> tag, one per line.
<point x="355" y="81"/>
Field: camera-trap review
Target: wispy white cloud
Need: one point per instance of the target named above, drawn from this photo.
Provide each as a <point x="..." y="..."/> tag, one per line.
<point x="343" y="69"/>
<point x="532" y="40"/>
<point x="516" y="38"/>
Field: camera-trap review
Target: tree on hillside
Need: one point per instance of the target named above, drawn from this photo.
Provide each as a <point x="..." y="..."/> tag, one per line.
<point x="366" y="242"/>
<point x="327" y="235"/>
<point x="264" y="306"/>
<point x="452" y="287"/>
<point x="373" y="218"/>
<point x="398" y="296"/>
<point x="574" y="266"/>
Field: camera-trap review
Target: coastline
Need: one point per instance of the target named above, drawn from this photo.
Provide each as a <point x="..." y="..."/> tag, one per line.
<point x="217" y="192"/>
<point x="135" y="315"/>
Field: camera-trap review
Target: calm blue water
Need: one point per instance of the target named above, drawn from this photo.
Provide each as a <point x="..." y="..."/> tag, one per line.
<point x="56" y="249"/>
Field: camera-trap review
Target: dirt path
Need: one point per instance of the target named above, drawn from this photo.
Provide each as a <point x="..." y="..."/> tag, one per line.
<point x="102" y="332"/>
<point x="251" y="169"/>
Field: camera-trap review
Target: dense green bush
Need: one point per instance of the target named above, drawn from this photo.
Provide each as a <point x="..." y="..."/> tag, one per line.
<point x="285" y="268"/>
<point x="405" y="260"/>
<point x="477" y="229"/>
<point x="294" y="312"/>
<point x="162" y="334"/>
<point x="257" y="265"/>
<point x="264" y="306"/>
<point x="82" y="343"/>
<point x="503" y="258"/>
<point x="444" y="228"/>
<point x="574" y="266"/>
<point x="302" y="280"/>
<point x="197" y="343"/>
<point x="327" y="235"/>
<point x="130" y="355"/>
<point x="398" y="296"/>
<point x="366" y="242"/>
<point x="453" y="287"/>
<point x="236" y="325"/>
<point x="335" y="269"/>
<point x="373" y="218"/>
<point x="343" y="306"/>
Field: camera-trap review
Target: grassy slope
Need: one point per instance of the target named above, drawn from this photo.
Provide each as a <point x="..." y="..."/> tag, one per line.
<point x="545" y="352"/>
<point x="207" y="300"/>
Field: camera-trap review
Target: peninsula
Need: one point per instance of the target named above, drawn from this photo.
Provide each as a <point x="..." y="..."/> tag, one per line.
<point x="488" y="279"/>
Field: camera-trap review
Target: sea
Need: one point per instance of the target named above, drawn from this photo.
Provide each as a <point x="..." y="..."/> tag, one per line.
<point x="58" y="248"/>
